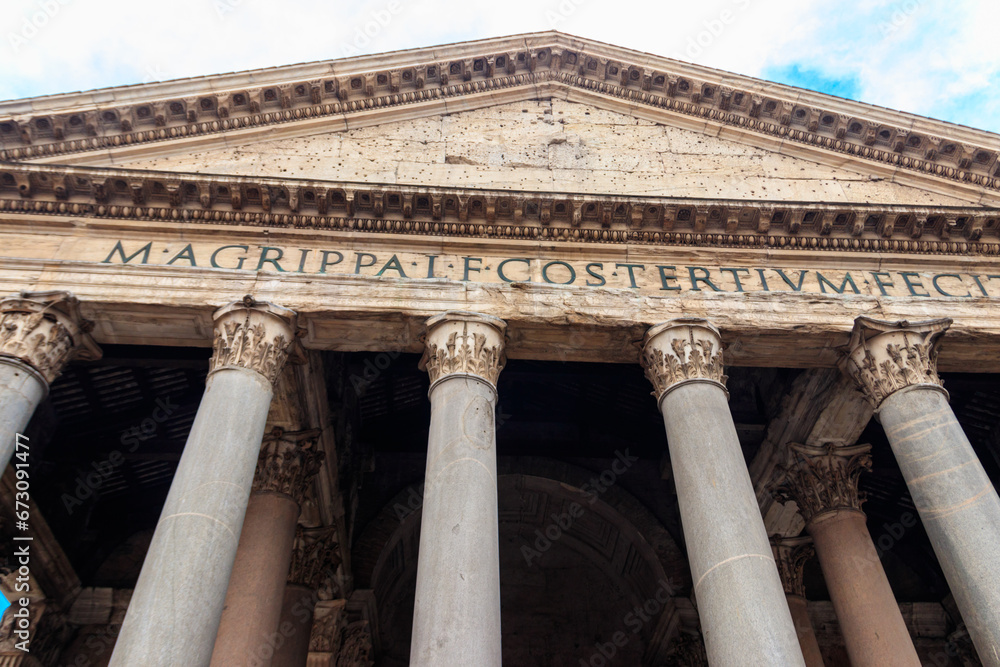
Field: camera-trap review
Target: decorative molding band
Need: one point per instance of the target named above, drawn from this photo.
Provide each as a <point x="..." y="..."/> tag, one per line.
<point x="682" y="350"/>
<point x="185" y="199"/>
<point x="885" y="357"/>
<point x="45" y="330"/>
<point x="823" y="479"/>
<point x="287" y="463"/>
<point x="315" y="557"/>
<point x="254" y="335"/>
<point x="655" y="84"/>
<point x="466" y="344"/>
<point x="791" y="554"/>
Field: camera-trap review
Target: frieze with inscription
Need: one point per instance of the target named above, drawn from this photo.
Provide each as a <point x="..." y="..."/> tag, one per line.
<point x="590" y="272"/>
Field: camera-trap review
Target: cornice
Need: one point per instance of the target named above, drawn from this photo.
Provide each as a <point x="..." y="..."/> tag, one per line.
<point x="112" y="119"/>
<point x="188" y="199"/>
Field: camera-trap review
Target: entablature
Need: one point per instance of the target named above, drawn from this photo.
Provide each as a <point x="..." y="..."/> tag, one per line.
<point x="178" y="198"/>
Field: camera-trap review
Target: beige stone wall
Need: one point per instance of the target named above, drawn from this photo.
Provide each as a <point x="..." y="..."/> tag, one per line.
<point x="550" y="145"/>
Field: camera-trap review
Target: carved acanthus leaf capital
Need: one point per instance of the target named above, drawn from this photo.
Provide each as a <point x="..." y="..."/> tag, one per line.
<point x="791" y="555"/>
<point x="45" y="330"/>
<point x="356" y="649"/>
<point x="682" y="350"/>
<point x="884" y="357"/>
<point x="329" y="621"/>
<point x="461" y="343"/>
<point x="255" y="335"/>
<point x="287" y="462"/>
<point x="314" y="556"/>
<point x="823" y="479"/>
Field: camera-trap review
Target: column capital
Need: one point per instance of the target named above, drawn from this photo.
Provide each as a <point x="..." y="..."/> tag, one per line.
<point x="460" y="343"/>
<point x="45" y="330"/>
<point x="255" y="335"/>
<point x="885" y="357"/>
<point x="314" y="556"/>
<point x="287" y="463"/>
<point x="683" y="350"/>
<point x="823" y="479"/>
<point x="791" y="555"/>
<point x="356" y="647"/>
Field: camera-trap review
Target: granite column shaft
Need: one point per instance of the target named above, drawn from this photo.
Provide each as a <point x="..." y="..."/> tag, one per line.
<point x="744" y="615"/>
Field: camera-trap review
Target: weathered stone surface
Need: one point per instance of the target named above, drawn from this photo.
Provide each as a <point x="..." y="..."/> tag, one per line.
<point x="456" y="617"/>
<point x="552" y="145"/>
<point x="195" y="543"/>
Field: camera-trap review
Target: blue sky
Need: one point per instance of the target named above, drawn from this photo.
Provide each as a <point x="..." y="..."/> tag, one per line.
<point x="936" y="59"/>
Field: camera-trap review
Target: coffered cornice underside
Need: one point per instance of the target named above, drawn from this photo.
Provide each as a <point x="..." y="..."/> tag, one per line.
<point x="447" y="79"/>
<point x="186" y="199"/>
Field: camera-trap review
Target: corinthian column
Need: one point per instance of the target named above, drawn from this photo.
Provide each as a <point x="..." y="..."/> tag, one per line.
<point x="741" y="604"/>
<point x="791" y="554"/>
<point x="823" y="481"/>
<point x="285" y="466"/>
<point x="895" y="365"/>
<point x="39" y="333"/>
<point x="456" y="615"/>
<point x="314" y="563"/>
<point x="175" y="610"/>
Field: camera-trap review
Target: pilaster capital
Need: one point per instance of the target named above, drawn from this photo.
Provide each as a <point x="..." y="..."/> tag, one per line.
<point x="683" y="350"/>
<point x="45" y="330"/>
<point x="823" y="479"/>
<point x="255" y="335"/>
<point x="791" y="555"/>
<point x="885" y="357"/>
<point x="314" y="556"/>
<point x="465" y="344"/>
<point x="287" y="463"/>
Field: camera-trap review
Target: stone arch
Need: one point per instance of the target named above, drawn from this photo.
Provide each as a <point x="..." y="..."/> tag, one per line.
<point x="629" y="559"/>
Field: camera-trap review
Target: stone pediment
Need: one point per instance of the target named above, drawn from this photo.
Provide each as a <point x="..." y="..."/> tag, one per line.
<point x="553" y="146"/>
<point x="709" y="120"/>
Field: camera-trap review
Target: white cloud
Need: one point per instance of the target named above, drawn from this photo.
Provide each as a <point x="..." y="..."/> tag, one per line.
<point x="930" y="58"/>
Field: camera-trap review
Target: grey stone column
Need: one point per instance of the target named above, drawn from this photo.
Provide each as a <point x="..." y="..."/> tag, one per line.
<point x="39" y="333"/>
<point x="823" y="482"/>
<point x="247" y="632"/>
<point x="456" y="616"/>
<point x="895" y="365"/>
<point x="791" y="554"/>
<point x="177" y="603"/>
<point x="741" y="604"/>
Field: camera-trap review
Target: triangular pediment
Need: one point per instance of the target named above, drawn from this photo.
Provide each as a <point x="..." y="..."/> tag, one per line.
<point x="618" y="121"/>
<point x="550" y="146"/>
